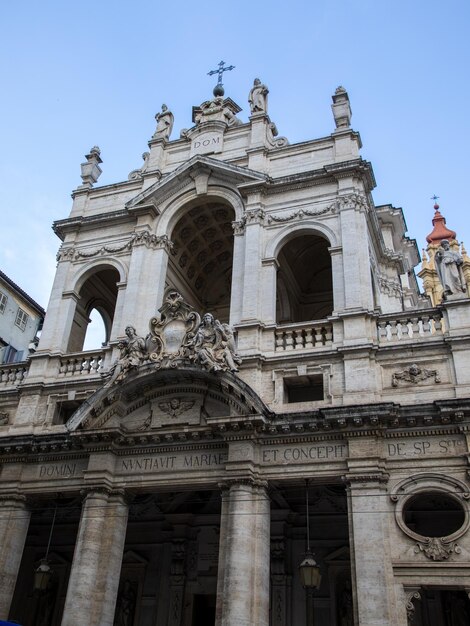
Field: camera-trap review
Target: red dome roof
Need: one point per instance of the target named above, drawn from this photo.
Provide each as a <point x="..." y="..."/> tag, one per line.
<point x="440" y="230"/>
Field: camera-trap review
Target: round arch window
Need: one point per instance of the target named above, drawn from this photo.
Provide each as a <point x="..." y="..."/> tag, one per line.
<point x="433" y="514"/>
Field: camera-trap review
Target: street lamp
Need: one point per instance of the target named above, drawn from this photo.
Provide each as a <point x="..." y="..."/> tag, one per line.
<point x="309" y="571"/>
<point x="44" y="573"/>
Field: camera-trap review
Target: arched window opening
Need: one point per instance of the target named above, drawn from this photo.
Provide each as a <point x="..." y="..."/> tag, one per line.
<point x="98" y="295"/>
<point x="304" y="280"/>
<point x="96" y="333"/>
<point x="200" y="267"/>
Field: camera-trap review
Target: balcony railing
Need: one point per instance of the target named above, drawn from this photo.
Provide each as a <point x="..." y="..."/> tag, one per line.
<point x="401" y="327"/>
<point x="13" y="373"/>
<point x="304" y="336"/>
<point x="81" y="363"/>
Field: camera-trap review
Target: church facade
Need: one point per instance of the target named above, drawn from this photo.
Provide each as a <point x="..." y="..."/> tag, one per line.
<point x="272" y="384"/>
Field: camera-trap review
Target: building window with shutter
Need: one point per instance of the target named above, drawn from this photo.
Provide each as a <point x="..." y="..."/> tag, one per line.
<point x="3" y="302"/>
<point x="21" y="319"/>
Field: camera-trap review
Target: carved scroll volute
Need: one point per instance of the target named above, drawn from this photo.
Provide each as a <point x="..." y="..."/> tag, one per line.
<point x="174" y="330"/>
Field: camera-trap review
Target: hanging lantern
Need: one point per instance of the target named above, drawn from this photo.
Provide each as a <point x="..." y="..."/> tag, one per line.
<point x="309" y="571"/>
<point x="42" y="576"/>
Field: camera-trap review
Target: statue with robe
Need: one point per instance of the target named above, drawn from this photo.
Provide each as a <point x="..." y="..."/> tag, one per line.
<point x="133" y="352"/>
<point x="449" y="269"/>
<point x="165" y="121"/>
<point x="258" y="97"/>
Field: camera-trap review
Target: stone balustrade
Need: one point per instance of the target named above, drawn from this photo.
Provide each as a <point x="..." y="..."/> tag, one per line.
<point x="81" y="363"/>
<point x="415" y="326"/>
<point x="11" y="374"/>
<point x="304" y="336"/>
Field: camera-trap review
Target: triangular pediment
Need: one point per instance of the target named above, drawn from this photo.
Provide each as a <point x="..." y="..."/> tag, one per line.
<point x="199" y="166"/>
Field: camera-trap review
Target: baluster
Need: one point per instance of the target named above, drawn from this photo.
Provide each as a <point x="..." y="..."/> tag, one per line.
<point x="289" y="340"/>
<point x="86" y="365"/>
<point x="437" y="323"/>
<point x="426" y="325"/>
<point x="299" y="340"/>
<point x="328" y="335"/>
<point x="309" y="338"/>
<point x="382" y="331"/>
<point x="414" y="326"/>
<point x="279" y="341"/>
<point x="394" y="330"/>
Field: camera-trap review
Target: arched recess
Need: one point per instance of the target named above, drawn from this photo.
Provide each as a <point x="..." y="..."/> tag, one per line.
<point x="97" y="289"/>
<point x="200" y="267"/>
<point x="304" y="279"/>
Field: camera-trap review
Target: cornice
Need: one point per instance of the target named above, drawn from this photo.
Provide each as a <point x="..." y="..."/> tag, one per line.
<point x="72" y="224"/>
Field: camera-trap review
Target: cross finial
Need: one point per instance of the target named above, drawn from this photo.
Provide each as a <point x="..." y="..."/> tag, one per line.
<point x="219" y="88"/>
<point x="435" y="198"/>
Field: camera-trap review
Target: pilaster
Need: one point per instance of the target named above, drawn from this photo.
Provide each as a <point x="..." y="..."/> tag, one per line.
<point x="373" y="585"/>
<point x="146" y="282"/>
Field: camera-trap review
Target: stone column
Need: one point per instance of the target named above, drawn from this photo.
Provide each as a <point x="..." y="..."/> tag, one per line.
<point x="94" y="579"/>
<point x="14" y="523"/>
<point x="243" y="591"/>
<point x="375" y="603"/>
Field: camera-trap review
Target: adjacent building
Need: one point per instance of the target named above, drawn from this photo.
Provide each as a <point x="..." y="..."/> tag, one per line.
<point x="20" y="320"/>
<point x="272" y="384"/>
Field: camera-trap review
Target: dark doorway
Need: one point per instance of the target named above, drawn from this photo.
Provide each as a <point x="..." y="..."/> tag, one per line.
<point x="203" y="610"/>
<point x="441" y="607"/>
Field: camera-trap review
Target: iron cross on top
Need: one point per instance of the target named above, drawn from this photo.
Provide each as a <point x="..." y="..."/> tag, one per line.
<point x="220" y="71"/>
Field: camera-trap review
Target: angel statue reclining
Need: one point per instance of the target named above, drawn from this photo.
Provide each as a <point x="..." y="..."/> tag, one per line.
<point x="214" y="346"/>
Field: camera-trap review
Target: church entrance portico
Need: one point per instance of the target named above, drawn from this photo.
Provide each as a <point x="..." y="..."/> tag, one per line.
<point x="210" y="555"/>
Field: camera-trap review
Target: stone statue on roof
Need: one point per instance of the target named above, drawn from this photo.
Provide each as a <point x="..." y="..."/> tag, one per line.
<point x="165" y="120"/>
<point x="258" y="97"/>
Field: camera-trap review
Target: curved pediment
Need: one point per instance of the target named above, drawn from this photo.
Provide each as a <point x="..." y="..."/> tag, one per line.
<point x="150" y="399"/>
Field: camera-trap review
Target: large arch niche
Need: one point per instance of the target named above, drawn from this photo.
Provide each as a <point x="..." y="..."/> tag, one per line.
<point x="98" y="292"/>
<point x="200" y="267"/>
<point x="304" y="280"/>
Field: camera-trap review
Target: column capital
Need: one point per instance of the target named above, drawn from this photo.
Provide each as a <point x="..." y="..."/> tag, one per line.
<point x="366" y="479"/>
<point x="105" y="491"/>
<point x="248" y="481"/>
<point x="13" y="499"/>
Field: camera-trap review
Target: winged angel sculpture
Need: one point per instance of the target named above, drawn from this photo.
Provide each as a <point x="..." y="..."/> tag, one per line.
<point x="178" y="337"/>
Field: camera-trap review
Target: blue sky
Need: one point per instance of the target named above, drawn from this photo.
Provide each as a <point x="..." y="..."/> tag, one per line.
<point x="76" y="74"/>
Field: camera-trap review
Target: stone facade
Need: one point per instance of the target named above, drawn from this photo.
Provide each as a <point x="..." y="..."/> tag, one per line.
<point x="266" y="341"/>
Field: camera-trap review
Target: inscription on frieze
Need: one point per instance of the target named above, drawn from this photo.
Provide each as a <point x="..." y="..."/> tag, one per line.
<point x="431" y="446"/>
<point x="207" y="143"/>
<point x="156" y="463"/>
<point x="306" y="453"/>
<point x="61" y="470"/>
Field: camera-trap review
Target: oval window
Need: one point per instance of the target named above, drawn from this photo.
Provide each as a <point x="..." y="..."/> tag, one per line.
<point x="433" y="514"/>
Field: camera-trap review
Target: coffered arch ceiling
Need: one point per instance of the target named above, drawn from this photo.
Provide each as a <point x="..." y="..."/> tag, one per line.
<point x="201" y="264"/>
